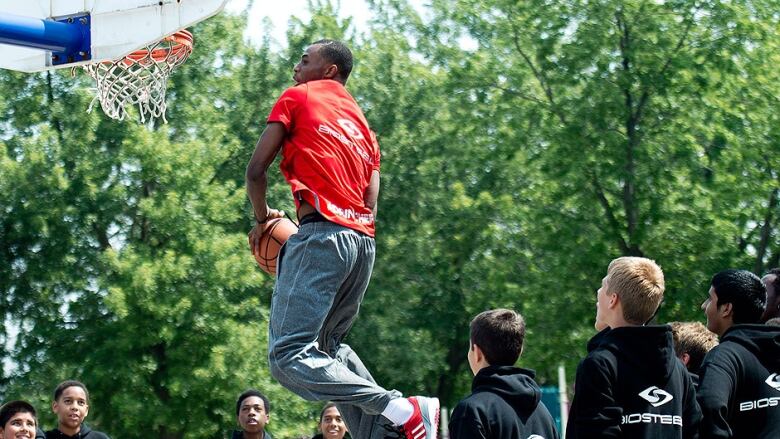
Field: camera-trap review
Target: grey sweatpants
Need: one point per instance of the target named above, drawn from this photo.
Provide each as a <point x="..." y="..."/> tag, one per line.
<point x="322" y="275"/>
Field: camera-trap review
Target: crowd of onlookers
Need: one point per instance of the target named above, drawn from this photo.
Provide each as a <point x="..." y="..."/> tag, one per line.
<point x="19" y="419"/>
<point x="641" y="380"/>
<point x="638" y="380"/>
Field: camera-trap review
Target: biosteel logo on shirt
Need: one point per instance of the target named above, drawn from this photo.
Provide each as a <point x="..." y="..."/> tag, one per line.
<point x="655" y="396"/>
<point x="772" y="381"/>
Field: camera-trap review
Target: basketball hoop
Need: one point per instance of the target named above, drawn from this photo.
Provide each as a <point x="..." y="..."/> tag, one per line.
<point x="140" y="78"/>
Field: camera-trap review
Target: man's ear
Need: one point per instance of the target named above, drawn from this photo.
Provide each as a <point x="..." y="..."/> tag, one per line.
<point x="685" y="358"/>
<point x="726" y="310"/>
<point x="614" y="299"/>
<point x="54" y="407"/>
<point x="478" y="354"/>
<point x="332" y="71"/>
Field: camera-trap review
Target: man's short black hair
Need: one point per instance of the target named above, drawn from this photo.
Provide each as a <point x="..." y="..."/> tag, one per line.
<point x="499" y="333"/>
<point x="337" y="53"/>
<point x="69" y="383"/>
<point x="252" y="392"/>
<point x="9" y="409"/>
<point x="744" y="291"/>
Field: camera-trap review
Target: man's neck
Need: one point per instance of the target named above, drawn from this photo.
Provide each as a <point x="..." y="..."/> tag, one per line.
<point x="258" y="435"/>
<point x="69" y="431"/>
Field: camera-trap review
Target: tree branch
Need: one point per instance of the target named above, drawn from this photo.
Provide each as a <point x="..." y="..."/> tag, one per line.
<point x="538" y="74"/>
<point x="609" y="213"/>
<point x="766" y="232"/>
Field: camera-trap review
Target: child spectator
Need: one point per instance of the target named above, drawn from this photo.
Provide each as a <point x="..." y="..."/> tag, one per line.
<point x="71" y="405"/>
<point x="18" y="420"/>
<point x="331" y="425"/>
<point x="253" y="412"/>
<point x="739" y="388"/>
<point x="631" y="384"/>
<point x="504" y="400"/>
<point x="692" y="341"/>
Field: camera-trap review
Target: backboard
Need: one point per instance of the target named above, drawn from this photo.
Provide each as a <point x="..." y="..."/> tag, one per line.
<point x="112" y="28"/>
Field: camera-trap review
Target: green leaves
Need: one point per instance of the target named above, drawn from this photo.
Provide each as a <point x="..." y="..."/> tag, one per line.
<point x="525" y="145"/>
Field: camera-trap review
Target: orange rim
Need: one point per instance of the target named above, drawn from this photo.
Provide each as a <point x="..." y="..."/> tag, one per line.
<point x="182" y="42"/>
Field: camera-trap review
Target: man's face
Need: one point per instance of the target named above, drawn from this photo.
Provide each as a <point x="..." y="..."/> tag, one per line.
<point x="252" y="416"/>
<point x="331" y="424"/>
<point x="472" y="358"/>
<point x="71" y="408"/>
<point x="772" y="305"/>
<point x="21" y="425"/>
<point x="715" y="322"/>
<point x="312" y="66"/>
<point x="602" y="304"/>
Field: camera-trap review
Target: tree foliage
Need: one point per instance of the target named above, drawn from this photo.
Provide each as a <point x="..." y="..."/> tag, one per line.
<point x="525" y="145"/>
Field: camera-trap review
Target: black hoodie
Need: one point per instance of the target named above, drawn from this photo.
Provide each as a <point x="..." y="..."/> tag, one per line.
<point x="239" y="434"/>
<point x="739" y="390"/>
<point x="504" y="403"/>
<point x="631" y="385"/>
<point x="84" y="433"/>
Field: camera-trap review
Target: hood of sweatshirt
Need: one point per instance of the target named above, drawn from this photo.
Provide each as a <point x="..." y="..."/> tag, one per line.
<point x="648" y="349"/>
<point x="513" y="384"/>
<point x="763" y="341"/>
<point x="83" y="431"/>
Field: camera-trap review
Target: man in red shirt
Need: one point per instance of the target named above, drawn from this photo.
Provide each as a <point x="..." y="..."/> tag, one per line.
<point x="330" y="158"/>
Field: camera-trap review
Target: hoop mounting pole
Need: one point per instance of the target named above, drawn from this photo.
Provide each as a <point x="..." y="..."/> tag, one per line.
<point x="68" y="38"/>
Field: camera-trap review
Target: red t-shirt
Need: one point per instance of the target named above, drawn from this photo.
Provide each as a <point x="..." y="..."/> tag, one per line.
<point x="329" y="152"/>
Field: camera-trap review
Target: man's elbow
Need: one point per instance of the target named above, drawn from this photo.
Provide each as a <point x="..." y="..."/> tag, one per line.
<point x="255" y="174"/>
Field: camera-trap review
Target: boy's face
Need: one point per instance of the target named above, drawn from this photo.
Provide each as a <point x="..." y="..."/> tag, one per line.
<point x="71" y="408"/>
<point x="472" y="359"/>
<point x="21" y="425"/>
<point x="772" y="304"/>
<point x="252" y="416"/>
<point x="715" y="322"/>
<point x="602" y="304"/>
<point x="332" y="425"/>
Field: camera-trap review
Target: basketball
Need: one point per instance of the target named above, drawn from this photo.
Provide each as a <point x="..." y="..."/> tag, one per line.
<point x="276" y="234"/>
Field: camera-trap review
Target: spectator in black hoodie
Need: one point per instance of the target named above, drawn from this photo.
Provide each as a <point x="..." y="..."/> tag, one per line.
<point x="739" y="390"/>
<point x="504" y="400"/>
<point x="692" y="341"/>
<point x="771" y="281"/>
<point x="71" y="405"/>
<point x="631" y="384"/>
<point x="253" y="412"/>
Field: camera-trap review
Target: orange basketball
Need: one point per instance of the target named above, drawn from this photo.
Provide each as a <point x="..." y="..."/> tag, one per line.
<point x="275" y="235"/>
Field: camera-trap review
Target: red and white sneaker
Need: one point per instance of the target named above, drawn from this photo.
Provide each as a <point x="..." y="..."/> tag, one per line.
<point x="424" y="423"/>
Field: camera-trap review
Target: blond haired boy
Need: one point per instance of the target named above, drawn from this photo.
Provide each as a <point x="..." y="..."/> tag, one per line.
<point x="631" y="384"/>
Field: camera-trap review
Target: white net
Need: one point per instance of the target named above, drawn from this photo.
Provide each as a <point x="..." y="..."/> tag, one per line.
<point x="140" y="78"/>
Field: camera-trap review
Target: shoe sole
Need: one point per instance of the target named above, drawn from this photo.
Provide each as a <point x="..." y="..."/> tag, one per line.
<point x="431" y="411"/>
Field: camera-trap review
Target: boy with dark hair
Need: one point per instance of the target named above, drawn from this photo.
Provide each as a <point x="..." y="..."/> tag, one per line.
<point x="631" y="384"/>
<point x="505" y="402"/>
<point x="739" y="390"/>
<point x="330" y="158"/>
<point x="253" y="412"/>
<point x="71" y="405"/>
<point x="692" y="341"/>
<point x="18" y="420"/>
<point x="771" y="281"/>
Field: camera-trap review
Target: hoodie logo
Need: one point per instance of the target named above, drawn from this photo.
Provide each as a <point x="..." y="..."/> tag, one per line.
<point x="535" y="436"/>
<point x="774" y="381"/>
<point x="655" y="396"/>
